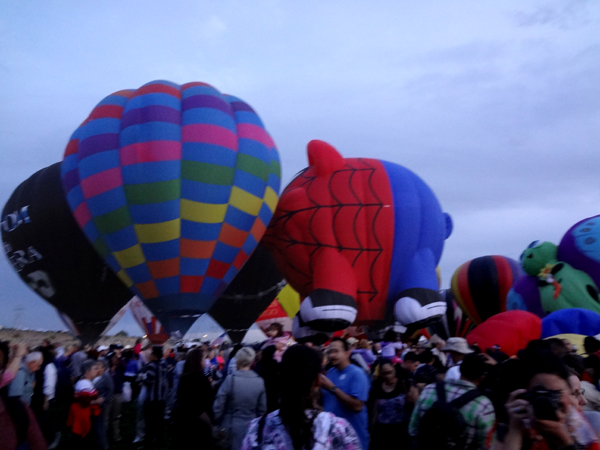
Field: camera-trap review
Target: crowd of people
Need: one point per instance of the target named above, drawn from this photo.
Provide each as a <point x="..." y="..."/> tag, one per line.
<point x="348" y="394"/>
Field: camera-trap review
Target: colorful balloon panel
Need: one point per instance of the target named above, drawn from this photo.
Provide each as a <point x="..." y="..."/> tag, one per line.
<point x="289" y="300"/>
<point x="481" y="285"/>
<point x="52" y="256"/>
<point x="175" y="186"/>
<point x="511" y="330"/>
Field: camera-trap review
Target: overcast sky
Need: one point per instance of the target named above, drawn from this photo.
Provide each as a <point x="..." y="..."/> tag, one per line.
<point x="495" y="104"/>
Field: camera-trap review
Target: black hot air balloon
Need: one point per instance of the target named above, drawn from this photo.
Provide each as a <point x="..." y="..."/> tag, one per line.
<point x="51" y="255"/>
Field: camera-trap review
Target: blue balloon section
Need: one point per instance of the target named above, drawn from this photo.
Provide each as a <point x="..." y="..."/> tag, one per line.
<point x="571" y="321"/>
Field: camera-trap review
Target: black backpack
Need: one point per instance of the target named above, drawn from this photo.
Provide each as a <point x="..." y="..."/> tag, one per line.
<point x="443" y="427"/>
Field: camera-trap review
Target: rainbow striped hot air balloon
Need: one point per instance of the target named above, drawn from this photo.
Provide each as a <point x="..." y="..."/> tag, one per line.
<point x="174" y="186"/>
<point x="480" y="286"/>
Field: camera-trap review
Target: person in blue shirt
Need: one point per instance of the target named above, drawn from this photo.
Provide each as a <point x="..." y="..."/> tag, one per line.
<point x="346" y="389"/>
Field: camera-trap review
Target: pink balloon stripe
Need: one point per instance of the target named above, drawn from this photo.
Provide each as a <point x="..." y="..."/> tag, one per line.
<point x="82" y="215"/>
<point x="150" y="151"/>
<point x="254" y="132"/>
<point x="209" y="134"/>
<point x="101" y="182"/>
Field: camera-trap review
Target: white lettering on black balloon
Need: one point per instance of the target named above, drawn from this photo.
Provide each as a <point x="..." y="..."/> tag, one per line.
<point x="12" y="221"/>
<point x="21" y="258"/>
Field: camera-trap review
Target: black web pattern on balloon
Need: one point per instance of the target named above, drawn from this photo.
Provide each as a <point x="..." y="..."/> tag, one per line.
<point x="353" y="200"/>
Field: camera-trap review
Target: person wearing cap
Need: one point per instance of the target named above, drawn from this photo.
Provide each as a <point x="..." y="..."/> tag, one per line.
<point x="479" y="414"/>
<point x="458" y="348"/>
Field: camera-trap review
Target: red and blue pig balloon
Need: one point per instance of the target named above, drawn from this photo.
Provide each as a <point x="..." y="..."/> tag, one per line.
<point x="359" y="239"/>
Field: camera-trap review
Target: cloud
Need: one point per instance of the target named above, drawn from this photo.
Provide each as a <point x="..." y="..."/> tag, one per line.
<point x="565" y="14"/>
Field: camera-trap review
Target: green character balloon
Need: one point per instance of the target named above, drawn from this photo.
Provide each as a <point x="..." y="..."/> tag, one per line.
<point x="537" y="256"/>
<point x="561" y="286"/>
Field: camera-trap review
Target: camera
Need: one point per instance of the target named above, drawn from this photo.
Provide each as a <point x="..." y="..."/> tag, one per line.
<point x="545" y="402"/>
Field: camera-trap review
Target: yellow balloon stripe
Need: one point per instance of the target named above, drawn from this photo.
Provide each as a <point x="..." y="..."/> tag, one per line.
<point x="153" y="233"/>
<point x="125" y="278"/>
<point x="271" y="198"/>
<point x="203" y="212"/>
<point x="130" y="257"/>
<point x="244" y="201"/>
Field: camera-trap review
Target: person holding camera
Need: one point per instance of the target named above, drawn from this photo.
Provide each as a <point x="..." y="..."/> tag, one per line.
<point x="542" y="415"/>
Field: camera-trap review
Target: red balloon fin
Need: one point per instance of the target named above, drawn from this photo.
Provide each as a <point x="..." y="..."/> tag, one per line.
<point x="324" y="157"/>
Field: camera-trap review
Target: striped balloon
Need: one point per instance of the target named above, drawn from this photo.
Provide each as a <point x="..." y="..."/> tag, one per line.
<point x="480" y="286"/>
<point x="174" y="186"/>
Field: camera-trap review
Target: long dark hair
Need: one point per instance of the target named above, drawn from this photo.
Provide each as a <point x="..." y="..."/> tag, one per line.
<point x="300" y="368"/>
<point x="194" y="363"/>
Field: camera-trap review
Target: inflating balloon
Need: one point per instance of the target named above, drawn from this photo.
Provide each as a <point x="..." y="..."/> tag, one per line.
<point x="274" y="314"/>
<point x="51" y="255"/>
<point x="481" y="285"/>
<point x="359" y="239"/>
<point x="454" y="323"/>
<point x="525" y="295"/>
<point x="174" y="186"/>
<point x="510" y="330"/>
<point x="249" y="294"/>
<point x="281" y="310"/>
<point x="580" y="247"/>
<point x="151" y="326"/>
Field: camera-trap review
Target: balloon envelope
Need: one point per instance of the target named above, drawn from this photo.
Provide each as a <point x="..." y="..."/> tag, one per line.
<point x="52" y="256"/>
<point x="281" y="310"/>
<point x="571" y="321"/>
<point x="454" y="323"/>
<point x="174" y="185"/>
<point x="511" y="330"/>
<point x="481" y="285"/>
<point x="580" y="247"/>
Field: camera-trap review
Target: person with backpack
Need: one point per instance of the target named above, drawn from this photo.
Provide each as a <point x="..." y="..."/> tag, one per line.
<point x="454" y="414"/>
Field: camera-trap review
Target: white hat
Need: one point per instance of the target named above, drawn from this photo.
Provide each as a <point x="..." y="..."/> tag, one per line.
<point x="351" y="340"/>
<point x="102" y="348"/>
<point x="458" y="345"/>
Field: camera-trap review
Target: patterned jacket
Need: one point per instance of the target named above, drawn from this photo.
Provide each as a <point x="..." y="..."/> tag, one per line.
<point x="331" y="433"/>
